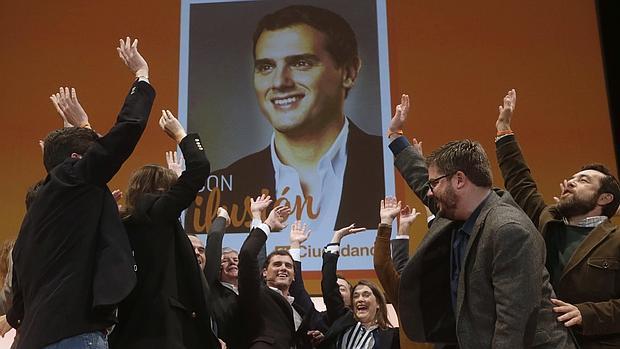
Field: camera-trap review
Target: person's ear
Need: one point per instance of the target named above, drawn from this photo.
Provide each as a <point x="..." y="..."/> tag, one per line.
<point x="605" y="199"/>
<point x="349" y="74"/>
<point x="76" y="156"/>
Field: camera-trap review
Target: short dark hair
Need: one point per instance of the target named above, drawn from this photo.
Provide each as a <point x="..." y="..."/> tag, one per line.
<point x="276" y="253"/>
<point x="341" y="42"/>
<point x="466" y="156"/>
<point x="609" y="184"/>
<point x="60" y="144"/>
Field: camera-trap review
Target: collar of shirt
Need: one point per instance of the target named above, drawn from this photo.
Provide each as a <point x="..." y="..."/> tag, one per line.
<point x="333" y="161"/>
<point x="468" y="226"/>
<point x="588" y="222"/>
<point x="230" y="286"/>
<point x="288" y="298"/>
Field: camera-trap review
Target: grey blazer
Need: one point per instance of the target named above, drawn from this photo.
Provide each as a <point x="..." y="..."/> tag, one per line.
<point x="503" y="298"/>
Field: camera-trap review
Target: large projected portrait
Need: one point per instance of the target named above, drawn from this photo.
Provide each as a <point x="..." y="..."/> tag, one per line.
<point x="291" y="101"/>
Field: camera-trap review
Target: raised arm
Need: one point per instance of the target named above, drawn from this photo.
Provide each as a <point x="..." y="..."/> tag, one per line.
<point x="400" y="245"/>
<point x="329" y="285"/>
<point x="258" y="208"/>
<point x="105" y="157"/>
<point x="299" y="234"/>
<point x="170" y="204"/>
<point x="69" y="108"/>
<point x="174" y="162"/>
<point x="408" y="158"/>
<point x="517" y="176"/>
<point x="214" y="246"/>
<point x="386" y="273"/>
<point x="249" y="272"/>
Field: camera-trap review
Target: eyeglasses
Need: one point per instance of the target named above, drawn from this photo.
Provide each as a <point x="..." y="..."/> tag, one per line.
<point x="432" y="183"/>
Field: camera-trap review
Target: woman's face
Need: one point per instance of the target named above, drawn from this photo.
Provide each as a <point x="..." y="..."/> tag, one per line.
<point x="365" y="306"/>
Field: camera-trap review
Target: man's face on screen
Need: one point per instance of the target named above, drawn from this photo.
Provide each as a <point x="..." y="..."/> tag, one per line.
<point x="298" y="86"/>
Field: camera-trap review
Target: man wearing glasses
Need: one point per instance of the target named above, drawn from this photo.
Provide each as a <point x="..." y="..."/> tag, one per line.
<point x="478" y="278"/>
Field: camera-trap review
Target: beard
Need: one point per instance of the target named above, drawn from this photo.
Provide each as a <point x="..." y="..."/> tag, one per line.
<point x="447" y="203"/>
<point x="573" y="205"/>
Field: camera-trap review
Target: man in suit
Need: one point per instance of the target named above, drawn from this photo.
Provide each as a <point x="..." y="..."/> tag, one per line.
<point x="72" y="259"/>
<point x="305" y="62"/>
<point x="271" y="318"/>
<point x="583" y="244"/>
<point x="478" y="277"/>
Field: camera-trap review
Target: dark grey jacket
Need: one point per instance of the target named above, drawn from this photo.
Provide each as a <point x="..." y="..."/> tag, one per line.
<point x="503" y="298"/>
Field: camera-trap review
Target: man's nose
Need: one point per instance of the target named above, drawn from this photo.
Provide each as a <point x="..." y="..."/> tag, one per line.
<point x="282" y="78"/>
<point x="429" y="192"/>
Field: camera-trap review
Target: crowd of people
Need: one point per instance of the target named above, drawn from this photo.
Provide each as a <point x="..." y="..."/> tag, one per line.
<point x="498" y="268"/>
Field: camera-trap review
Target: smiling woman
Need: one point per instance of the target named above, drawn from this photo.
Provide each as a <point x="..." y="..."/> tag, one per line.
<point x="362" y="324"/>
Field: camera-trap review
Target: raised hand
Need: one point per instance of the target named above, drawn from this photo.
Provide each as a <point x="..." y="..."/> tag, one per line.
<point x="417" y="146"/>
<point x="390" y="208"/>
<point x="340" y="233"/>
<point x="506" y="110"/>
<point x="174" y="162"/>
<point x="400" y="116"/>
<point x="172" y="126"/>
<point x="407" y="217"/>
<point x="128" y="52"/>
<point x="118" y="195"/>
<point x="55" y="101"/>
<point x="277" y="217"/>
<point x="221" y="212"/>
<point x="69" y="108"/>
<point x="563" y="186"/>
<point x="299" y="234"/>
<point x="258" y="206"/>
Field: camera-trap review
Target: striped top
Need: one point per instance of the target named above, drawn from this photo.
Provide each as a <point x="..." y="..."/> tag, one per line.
<point x="358" y="337"/>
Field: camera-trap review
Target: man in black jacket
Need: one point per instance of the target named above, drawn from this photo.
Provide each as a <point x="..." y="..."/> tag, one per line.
<point x="271" y="317"/>
<point x="72" y="258"/>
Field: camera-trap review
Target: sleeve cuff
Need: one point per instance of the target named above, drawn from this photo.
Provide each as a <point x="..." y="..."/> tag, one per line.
<point x="430" y="218"/>
<point x="503" y="139"/>
<point x="296" y="254"/>
<point x="264" y="228"/>
<point x="399" y="144"/>
<point x="401" y="237"/>
<point x="255" y="223"/>
<point x="333" y="248"/>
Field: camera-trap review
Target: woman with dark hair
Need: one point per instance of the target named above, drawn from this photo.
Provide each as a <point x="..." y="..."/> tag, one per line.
<point x="365" y="325"/>
<point x="167" y="308"/>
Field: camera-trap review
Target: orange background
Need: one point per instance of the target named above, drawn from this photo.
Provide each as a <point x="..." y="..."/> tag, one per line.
<point x="456" y="62"/>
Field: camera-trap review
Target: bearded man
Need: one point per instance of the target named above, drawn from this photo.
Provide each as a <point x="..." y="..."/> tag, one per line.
<point x="583" y="245"/>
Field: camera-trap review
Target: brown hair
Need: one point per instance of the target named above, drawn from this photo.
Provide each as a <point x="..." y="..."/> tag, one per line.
<point x="382" y="314"/>
<point x="466" y="156"/>
<point x="148" y="179"/>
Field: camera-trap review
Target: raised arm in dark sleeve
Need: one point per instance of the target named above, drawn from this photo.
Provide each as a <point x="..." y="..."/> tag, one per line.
<point x="329" y="287"/>
<point x="105" y="157"/>
<point x="170" y="204"/>
<point x="412" y="168"/>
<point x="214" y="250"/>
<point x="518" y="178"/>
<point x="249" y="273"/>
